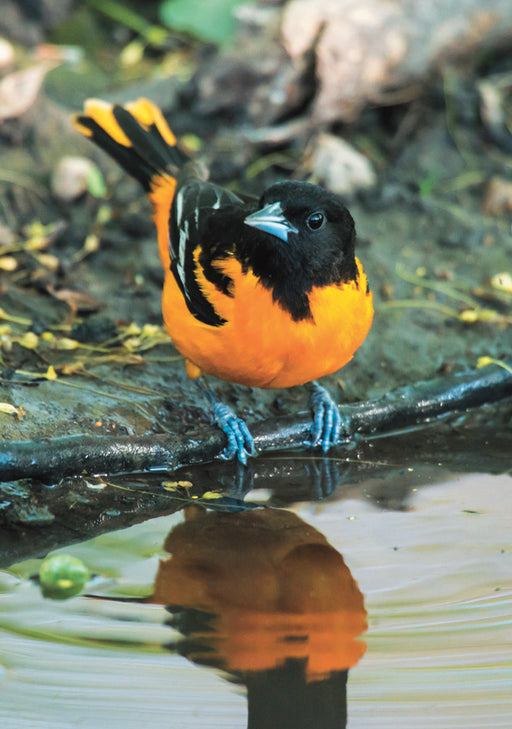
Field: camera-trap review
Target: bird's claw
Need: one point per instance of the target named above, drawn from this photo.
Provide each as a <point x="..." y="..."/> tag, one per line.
<point x="240" y="440"/>
<point x="328" y="423"/>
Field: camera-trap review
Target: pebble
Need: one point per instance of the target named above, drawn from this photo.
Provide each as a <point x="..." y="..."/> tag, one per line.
<point x="70" y="178"/>
<point x="340" y="167"/>
<point x="7" y="53"/>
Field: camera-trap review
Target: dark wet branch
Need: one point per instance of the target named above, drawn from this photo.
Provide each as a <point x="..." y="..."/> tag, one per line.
<point x="404" y="408"/>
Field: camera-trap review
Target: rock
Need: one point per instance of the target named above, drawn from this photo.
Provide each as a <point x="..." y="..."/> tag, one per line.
<point x="339" y="167"/>
<point x="7" y="53"/>
<point x="498" y="197"/>
<point x="380" y="52"/>
<point x="70" y="178"/>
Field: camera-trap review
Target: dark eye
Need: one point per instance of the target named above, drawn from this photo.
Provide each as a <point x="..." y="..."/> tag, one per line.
<point x="316" y="220"/>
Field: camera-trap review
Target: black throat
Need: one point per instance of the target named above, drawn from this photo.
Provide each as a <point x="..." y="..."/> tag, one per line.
<point x="291" y="272"/>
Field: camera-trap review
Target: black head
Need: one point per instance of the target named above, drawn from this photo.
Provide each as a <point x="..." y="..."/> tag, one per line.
<point x="302" y="236"/>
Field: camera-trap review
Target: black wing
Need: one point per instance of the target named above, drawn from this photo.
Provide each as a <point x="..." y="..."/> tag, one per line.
<point x="192" y="208"/>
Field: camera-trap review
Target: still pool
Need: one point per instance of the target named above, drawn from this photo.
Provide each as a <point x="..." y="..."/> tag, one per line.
<point x="347" y="610"/>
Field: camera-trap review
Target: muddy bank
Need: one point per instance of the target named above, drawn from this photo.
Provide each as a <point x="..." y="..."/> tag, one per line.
<point x="431" y="242"/>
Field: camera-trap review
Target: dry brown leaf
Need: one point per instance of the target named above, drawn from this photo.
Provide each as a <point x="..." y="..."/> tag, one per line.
<point x="498" y="197"/>
<point x="76" y="300"/>
<point x="19" y="90"/>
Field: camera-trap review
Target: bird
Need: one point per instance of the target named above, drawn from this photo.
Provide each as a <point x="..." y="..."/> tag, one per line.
<point x="264" y="292"/>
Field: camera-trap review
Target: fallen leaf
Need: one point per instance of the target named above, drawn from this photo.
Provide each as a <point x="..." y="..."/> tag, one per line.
<point x="502" y="282"/>
<point x="50" y="373"/>
<point x="8" y="409"/>
<point x="76" y="300"/>
<point x="498" y="197"/>
<point x="19" y="90"/>
<point x="8" y="263"/>
<point x="29" y="340"/>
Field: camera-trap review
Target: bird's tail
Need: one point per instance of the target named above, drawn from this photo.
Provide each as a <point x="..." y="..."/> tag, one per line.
<point x="139" y="139"/>
<point x="136" y="136"/>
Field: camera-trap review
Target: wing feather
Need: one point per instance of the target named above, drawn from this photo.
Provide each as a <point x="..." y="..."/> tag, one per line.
<point x="191" y="210"/>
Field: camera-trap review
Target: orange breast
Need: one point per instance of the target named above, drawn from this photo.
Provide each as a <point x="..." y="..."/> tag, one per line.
<point x="261" y="345"/>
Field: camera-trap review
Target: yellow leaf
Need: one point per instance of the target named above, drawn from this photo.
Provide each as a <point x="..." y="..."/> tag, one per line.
<point x="73" y="369"/>
<point x="50" y="373"/>
<point x="502" y="282"/>
<point x="469" y="315"/>
<point x="8" y="263"/>
<point x="8" y="409"/>
<point x="132" y="54"/>
<point x="149" y="330"/>
<point x="92" y="243"/>
<point x="132" y="343"/>
<point x="484" y="361"/>
<point x="104" y="214"/>
<point x="29" y="340"/>
<point x="37" y="243"/>
<point x="65" y="343"/>
<point x="132" y="329"/>
<point x="48" y="261"/>
<point x="170" y="485"/>
<point x="175" y="485"/>
<point x="192" y="142"/>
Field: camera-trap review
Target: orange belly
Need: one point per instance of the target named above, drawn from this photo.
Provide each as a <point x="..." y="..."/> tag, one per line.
<point x="261" y="345"/>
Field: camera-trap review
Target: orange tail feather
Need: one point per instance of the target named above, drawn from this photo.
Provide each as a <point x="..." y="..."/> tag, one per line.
<point x="139" y="139"/>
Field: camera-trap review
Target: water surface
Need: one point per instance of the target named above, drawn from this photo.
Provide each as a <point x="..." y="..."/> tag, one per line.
<point x="277" y="617"/>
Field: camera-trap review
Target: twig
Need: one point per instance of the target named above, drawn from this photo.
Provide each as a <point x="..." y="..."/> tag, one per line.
<point x="403" y="409"/>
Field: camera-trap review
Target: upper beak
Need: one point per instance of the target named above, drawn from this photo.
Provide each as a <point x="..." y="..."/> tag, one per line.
<point x="272" y="220"/>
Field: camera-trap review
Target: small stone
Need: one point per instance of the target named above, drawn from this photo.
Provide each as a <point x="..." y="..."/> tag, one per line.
<point x="7" y="53"/>
<point x="340" y="167"/>
<point x="70" y="178"/>
<point x="498" y="197"/>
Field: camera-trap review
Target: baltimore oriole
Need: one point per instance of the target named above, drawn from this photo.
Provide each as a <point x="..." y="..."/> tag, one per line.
<point x="267" y="293"/>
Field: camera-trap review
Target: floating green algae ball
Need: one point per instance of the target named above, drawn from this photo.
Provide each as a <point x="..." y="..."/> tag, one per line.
<point x="62" y="576"/>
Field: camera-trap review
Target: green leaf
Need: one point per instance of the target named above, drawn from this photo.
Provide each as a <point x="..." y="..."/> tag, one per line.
<point x="209" y="20"/>
<point x="96" y="183"/>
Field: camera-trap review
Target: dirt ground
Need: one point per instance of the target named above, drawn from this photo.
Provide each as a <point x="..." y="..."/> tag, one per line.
<point x="431" y="240"/>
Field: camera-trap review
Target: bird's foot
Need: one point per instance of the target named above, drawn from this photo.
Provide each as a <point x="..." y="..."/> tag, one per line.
<point x="328" y="423"/>
<point x="240" y="441"/>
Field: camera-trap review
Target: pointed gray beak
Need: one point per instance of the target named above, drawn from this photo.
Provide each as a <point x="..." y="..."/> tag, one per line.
<point x="272" y="220"/>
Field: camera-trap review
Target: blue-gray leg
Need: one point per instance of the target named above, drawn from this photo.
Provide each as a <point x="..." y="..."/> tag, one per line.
<point x="327" y="420"/>
<point x="240" y="441"/>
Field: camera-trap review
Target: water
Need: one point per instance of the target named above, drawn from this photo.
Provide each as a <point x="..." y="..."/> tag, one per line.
<point x="396" y="616"/>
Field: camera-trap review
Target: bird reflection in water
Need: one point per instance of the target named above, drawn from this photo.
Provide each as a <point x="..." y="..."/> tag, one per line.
<point x="264" y="596"/>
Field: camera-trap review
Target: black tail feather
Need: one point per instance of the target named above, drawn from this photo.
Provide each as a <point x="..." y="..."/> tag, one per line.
<point x="149" y="143"/>
<point x="148" y="156"/>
